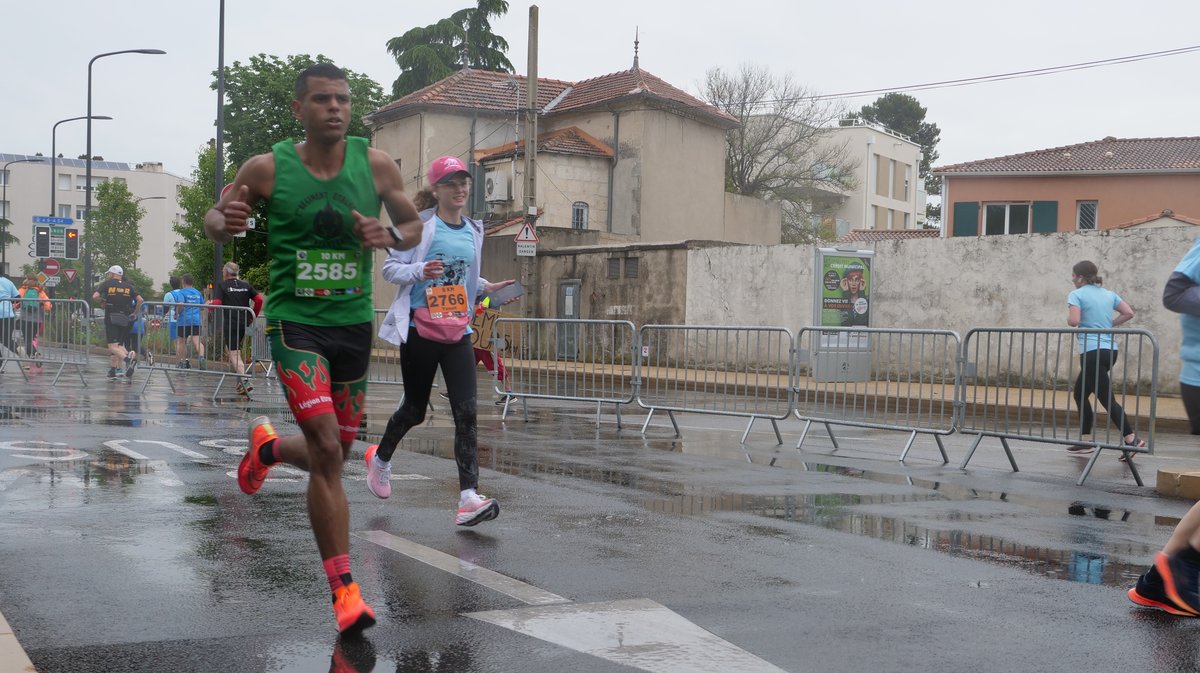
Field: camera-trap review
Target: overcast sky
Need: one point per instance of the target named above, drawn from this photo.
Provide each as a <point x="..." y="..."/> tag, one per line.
<point x="163" y="107"/>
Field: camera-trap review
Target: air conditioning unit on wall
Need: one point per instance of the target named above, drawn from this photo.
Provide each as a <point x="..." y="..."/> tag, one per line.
<point x="495" y="186"/>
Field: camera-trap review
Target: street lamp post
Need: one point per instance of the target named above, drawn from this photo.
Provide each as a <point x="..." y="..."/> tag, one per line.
<point x="54" y="156"/>
<point x="8" y="213"/>
<point x="87" y="198"/>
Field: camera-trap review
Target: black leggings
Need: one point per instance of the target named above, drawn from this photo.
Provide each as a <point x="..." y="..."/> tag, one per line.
<point x="419" y="362"/>
<point x="1191" y="404"/>
<point x="1093" y="380"/>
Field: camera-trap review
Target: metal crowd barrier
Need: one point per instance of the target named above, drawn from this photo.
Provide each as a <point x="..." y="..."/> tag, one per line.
<point x="1020" y="383"/>
<point x="562" y="359"/>
<point x="385" y="356"/>
<point x="260" y="348"/>
<point x="195" y="344"/>
<point x="711" y="369"/>
<point x="40" y="341"/>
<point x="889" y="379"/>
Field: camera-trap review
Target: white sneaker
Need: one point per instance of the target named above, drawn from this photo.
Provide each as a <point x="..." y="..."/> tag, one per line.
<point x="476" y="509"/>
<point x="379" y="474"/>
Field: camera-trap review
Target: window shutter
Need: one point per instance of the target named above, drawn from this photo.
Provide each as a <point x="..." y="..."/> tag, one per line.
<point x="1045" y="217"/>
<point x="966" y="218"/>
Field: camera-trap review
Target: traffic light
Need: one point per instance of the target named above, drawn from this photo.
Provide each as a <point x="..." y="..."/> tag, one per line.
<point x="72" y="244"/>
<point x="41" y="241"/>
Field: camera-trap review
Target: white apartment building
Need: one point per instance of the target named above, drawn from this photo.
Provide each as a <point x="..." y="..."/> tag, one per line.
<point x="889" y="193"/>
<point x="29" y="187"/>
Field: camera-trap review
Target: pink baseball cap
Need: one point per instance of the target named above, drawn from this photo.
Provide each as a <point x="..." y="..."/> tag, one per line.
<point x="445" y="167"/>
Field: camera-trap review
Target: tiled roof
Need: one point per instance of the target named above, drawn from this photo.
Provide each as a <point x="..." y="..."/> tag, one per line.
<point x="479" y="90"/>
<point x="633" y="83"/>
<point x="871" y="235"/>
<point x="499" y="228"/>
<point x="570" y="140"/>
<point x="1117" y="155"/>
<point x="503" y="92"/>
<point x="1168" y="213"/>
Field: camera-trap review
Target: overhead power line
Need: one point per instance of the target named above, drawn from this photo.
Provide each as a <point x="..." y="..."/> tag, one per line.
<point x="1019" y="74"/>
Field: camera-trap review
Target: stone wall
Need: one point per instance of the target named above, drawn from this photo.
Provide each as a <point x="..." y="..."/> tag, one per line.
<point x="955" y="284"/>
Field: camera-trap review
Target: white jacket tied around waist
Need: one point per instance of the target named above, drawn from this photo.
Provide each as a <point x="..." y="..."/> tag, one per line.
<point x="406" y="267"/>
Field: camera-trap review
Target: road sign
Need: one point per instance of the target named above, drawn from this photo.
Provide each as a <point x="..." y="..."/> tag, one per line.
<point x="70" y="274"/>
<point x="527" y="241"/>
<point x="52" y="281"/>
<point x="527" y="234"/>
<point x="61" y="221"/>
<point x="50" y="266"/>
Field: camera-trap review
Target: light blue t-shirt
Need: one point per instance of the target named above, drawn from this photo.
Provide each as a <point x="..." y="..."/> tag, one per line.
<point x="1096" y="306"/>
<point x="190" y="315"/>
<point x="7" y="291"/>
<point x="1189" y="352"/>
<point x="454" y="246"/>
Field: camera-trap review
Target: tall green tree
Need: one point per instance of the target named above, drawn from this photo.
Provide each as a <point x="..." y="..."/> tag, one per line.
<point x="782" y="150"/>
<point x="113" y="235"/>
<point x="258" y="109"/>
<point x="463" y="40"/>
<point x="194" y="254"/>
<point x="901" y="112"/>
<point x="6" y="238"/>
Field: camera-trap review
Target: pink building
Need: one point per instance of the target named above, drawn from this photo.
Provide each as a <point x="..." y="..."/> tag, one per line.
<point x="1095" y="185"/>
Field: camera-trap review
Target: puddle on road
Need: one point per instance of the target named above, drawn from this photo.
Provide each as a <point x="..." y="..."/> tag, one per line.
<point x="837" y="511"/>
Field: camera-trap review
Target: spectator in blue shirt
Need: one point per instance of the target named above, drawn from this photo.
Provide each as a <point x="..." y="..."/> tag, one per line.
<point x="8" y="316"/>
<point x="188" y="317"/>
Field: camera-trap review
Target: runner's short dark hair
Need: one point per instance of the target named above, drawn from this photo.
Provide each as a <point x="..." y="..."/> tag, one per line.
<point x="326" y="70"/>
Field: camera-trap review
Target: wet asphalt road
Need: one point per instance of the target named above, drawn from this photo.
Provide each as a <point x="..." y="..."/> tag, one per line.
<point x="127" y="546"/>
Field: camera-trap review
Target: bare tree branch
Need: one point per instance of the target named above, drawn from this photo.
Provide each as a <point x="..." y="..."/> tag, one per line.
<point x="782" y="151"/>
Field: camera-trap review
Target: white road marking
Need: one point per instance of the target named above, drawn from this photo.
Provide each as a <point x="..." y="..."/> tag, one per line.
<point x="493" y="580"/>
<point x="159" y="468"/>
<point x="174" y="447"/>
<point x="638" y="633"/>
<point x="118" y="445"/>
<point x="43" y="451"/>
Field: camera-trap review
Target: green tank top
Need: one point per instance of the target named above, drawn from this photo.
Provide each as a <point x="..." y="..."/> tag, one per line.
<point x="320" y="273"/>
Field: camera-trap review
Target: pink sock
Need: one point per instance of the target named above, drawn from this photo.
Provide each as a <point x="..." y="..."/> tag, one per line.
<point x="337" y="571"/>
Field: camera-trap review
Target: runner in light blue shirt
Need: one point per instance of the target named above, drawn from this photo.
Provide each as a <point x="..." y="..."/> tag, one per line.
<point x="1182" y="295"/>
<point x="1092" y="306"/>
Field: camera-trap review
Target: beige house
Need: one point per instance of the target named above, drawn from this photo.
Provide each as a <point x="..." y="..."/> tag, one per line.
<point x="624" y="154"/>
<point x="1101" y="184"/>
<point x="888" y="193"/>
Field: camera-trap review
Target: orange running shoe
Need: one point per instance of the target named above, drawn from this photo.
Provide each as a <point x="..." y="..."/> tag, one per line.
<point x="251" y="471"/>
<point x="353" y="615"/>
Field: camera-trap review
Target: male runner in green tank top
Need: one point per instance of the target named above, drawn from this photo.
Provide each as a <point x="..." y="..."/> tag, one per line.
<point x="324" y="199"/>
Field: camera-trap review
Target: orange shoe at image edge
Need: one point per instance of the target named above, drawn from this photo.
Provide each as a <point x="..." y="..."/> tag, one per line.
<point x="251" y="472"/>
<point x="1162" y="562"/>
<point x="352" y="613"/>
<point x="1151" y="603"/>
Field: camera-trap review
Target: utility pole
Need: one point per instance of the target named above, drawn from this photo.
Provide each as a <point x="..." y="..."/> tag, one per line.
<point x="529" y="266"/>
<point x="219" y="159"/>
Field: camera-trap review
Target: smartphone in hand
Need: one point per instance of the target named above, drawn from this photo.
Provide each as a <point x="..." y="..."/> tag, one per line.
<point x="505" y="294"/>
